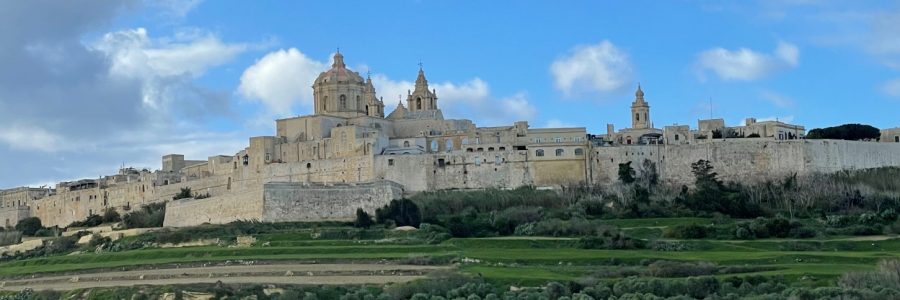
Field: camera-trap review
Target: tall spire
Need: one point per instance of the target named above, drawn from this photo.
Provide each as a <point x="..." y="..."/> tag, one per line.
<point x="420" y="80"/>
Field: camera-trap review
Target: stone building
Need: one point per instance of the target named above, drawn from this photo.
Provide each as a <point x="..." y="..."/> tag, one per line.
<point x="890" y="135"/>
<point x="349" y="154"/>
<point x="641" y="131"/>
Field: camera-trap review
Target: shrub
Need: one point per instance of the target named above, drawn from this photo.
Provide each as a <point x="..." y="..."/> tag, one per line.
<point x="403" y="212"/>
<point x="690" y="231"/>
<point x="90" y="221"/>
<point x="29" y="226"/>
<point x="99" y="240"/>
<point x="184" y="193"/>
<point x="363" y="220"/>
<point x="110" y="215"/>
<point x="664" y="268"/>
<point x="60" y="245"/>
<point x="508" y="219"/>
<point x="150" y="215"/>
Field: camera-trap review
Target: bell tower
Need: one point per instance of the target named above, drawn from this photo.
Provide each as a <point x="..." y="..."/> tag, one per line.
<point x="640" y="111"/>
<point x="421" y="98"/>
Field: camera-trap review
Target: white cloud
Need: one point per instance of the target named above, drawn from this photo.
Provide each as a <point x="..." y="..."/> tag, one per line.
<point x="595" y="68"/>
<point x="556" y="123"/>
<point x="777" y="99"/>
<point x="746" y="64"/>
<point x="166" y="66"/>
<point x="281" y="80"/>
<point x="134" y="53"/>
<point x="30" y="138"/>
<point x="891" y="87"/>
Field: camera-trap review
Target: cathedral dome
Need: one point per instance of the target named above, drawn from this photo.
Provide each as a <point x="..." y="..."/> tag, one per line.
<point x="339" y="73"/>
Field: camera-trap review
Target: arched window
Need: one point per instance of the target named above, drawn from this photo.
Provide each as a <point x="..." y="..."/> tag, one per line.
<point x="465" y="141"/>
<point x="560" y="152"/>
<point x="539" y="152"/>
<point x="897" y="139"/>
<point x="579" y="152"/>
<point x="434" y="146"/>
<point x="637" y="116"/>
<point x="367" y="109"/>
<point x="645" y="116"/>
<point x="418" y="103"/>
<point x="325" y="103"/>
<point x="406" y="144"/>
<point x="308" y="165"/>
<point x="490" y="148"/>
<point x="358" y="103"/>
<point x="449" y="145"/>
<point x="343" y="102"/>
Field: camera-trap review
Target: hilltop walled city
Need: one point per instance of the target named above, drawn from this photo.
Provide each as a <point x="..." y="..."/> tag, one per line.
<point x="349" y="154"/>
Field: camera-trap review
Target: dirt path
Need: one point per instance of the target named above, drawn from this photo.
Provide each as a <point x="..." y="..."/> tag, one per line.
<point x="272" y="274"/>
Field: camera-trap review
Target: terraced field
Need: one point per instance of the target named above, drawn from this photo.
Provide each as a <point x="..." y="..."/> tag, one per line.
<point x="298" y="257"/>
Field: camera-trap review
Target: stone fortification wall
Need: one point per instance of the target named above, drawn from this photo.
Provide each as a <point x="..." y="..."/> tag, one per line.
<point x="478" y="170"/>
<point x="746" y="160"/>
<point x="245" y="205"/>
<point x="293" y="202"/>
<point x="10" y="216"/>
<point x="826" y="156"/>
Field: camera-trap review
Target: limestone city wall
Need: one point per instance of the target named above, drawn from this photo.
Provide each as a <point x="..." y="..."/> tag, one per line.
<point x="746" y="160"/>
<point x="246" y="205"/>
<point x="295" y="202"/>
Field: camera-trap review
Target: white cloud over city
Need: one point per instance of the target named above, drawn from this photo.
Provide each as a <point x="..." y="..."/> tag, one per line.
<point x="746" y="64"/>
<point x="281" y="81"/>
<point x="600" y="67"/>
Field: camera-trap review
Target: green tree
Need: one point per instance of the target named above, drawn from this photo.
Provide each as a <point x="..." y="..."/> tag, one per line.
<point x="626" y="173"/>
<point x="29" y="226"/>
<point x="845" y="132"/>
<point x="111" y="215"/>
<point x="363" y="220"/>
<point x="184" y="193"/>
<point x="403" y="212"/>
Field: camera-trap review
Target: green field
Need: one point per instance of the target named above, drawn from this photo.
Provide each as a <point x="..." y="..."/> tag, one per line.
<point x="514" y="260"/>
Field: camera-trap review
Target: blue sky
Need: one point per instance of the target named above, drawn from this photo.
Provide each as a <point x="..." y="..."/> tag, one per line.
<point x="98" y="84"/>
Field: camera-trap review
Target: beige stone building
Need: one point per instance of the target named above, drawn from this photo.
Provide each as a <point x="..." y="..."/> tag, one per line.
<point x="349" y="154"/>
<point x="890" y="135"/>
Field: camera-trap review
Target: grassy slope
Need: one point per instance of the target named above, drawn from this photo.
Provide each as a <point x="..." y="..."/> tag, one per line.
<point x="511" y="259"/>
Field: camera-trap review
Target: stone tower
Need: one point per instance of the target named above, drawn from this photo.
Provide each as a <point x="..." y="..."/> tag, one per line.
<point x="640" y="111"/>
<point x="421" y="99"/>
<point x="342" y="92"/>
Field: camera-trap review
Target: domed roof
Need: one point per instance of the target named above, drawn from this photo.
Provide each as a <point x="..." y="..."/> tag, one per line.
<point x="339" y="73"/>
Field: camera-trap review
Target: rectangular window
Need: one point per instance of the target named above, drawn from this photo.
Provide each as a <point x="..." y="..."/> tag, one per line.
<point x="390" y="162"/>
<point x="559" y="140"/>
